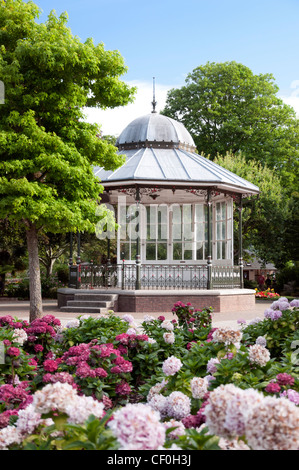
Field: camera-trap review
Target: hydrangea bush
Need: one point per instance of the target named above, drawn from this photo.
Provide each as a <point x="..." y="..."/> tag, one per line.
<point x="108" y="383"/>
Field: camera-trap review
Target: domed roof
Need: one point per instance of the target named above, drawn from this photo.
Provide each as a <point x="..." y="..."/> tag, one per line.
<point x="155" y="130"/>
<point x="159" y="150"/>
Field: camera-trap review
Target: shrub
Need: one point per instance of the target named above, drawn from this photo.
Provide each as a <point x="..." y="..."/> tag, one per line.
<point x="220" y="388"/>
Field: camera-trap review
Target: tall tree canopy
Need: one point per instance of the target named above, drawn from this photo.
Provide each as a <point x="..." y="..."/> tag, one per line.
<point x="47" y="150"/>
<point x="227" y="108"/>
<point x="264" y="218"/>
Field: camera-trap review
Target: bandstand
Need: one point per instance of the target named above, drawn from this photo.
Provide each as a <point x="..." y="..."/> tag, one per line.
<point x="174" y="209"/>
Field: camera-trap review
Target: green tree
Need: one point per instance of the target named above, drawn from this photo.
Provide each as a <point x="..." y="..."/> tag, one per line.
<point x="13" y="251"/>
<point x="227" y="108"/>
<point x="47" y="149"/>
<point x="51" y="247"/>
<point x="264" y="217"/>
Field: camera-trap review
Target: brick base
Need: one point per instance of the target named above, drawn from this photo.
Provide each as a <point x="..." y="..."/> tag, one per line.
<point x="164" y="303"/>
<point x="234" y="300"/>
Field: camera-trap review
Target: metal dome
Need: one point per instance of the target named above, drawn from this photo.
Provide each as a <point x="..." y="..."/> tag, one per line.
<point x="155" y="130"/>
<point x="160" y="151"/>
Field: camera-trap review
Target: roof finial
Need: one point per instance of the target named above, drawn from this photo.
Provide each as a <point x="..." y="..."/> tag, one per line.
<point x="154" y="102"/>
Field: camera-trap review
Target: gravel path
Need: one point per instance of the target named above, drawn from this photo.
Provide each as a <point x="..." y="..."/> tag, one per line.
<point x="20" y="309"/>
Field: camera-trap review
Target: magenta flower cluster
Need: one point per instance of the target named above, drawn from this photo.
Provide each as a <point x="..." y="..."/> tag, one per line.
<point x="88" y="361"/>
<point x="15" y="396"/>
<point x="9" y="321"/>
<point x="281" y="387"/>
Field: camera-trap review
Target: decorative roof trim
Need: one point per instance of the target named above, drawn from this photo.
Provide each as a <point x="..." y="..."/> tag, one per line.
<point x="181" y="185"/>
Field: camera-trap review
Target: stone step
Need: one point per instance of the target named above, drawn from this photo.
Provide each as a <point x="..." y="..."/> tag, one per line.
<point x="90" y="303"/>
<point x="83" y="309"/>
<point x="95" y="297"/>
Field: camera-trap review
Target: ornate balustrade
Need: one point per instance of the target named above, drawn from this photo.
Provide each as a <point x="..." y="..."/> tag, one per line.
<point x="157" y="276"/>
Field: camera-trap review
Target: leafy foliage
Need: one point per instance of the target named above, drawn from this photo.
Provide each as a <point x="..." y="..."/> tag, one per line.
<point x="228" y="108"/>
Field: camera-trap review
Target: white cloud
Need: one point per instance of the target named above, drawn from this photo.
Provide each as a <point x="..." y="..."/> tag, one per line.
<point x="113" y="121"/>
<point x="292" y="100"/>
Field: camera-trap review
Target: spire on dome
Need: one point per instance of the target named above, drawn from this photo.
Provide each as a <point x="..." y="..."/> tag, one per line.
<point x="154" y="102"/>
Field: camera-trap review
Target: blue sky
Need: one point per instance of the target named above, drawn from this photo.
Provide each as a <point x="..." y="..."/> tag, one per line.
<point x="169" y="38"/>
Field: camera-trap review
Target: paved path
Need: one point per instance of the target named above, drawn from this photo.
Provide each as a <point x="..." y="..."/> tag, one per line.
<point x="20" y="309"/>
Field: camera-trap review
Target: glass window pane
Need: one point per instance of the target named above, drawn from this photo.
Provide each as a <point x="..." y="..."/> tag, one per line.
<point x="188" y="232"/>
<point x="199" y="251"/>
<point x="162" y="232"/>
<point x="187" y="213"/>
<point x="177" y="251"/>
<point x="148" y="214"/>
<point x="199" y="213"/>
<point x="199" y="232"/>
<point x="188" y="251"/>
<point x="176" y="214"/>
<point x="151" y="251"/>
<point x="133" y="251"/>
<point x="125" y="251"/>
<point x="218" y="232"/>
<point x="223" y="231"/>
<point x="162" y="251"/>
<point x="218" y="211"/>
<point x="219" y="250"/>
<point x="177" y="232"/>
<point x="162" y="214"/>
<point x="223" y="210"/>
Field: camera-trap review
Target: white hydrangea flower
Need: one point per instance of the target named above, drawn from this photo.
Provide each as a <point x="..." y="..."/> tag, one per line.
<point x="178" y="405"/>
<point x="85" y="317"/>
<point x="156" y="389"/>
<point x="159" y="403"/>
<point x="8" y="436"/>
<point x="128" y="318"/>
<point x="20" y="336"/>
<point x="261" y="340"/>
<point x="259" y="355"/>
<point x="199" y="387"/>
<point x="171" y="365"/>
<point x="138" y="427"/>
<point x="274" y="425"/>
<point x="179" y="431"/>
<point x="80" y="409"/>
<point x="169" y="338"/>
<point x="54" y="396"/>
<point x="229" y="408"/>
<point x="148" y="318"/>
<point x="167" y="325"/>
<point x="73" y="323"/>
<point x="227" y="336"/>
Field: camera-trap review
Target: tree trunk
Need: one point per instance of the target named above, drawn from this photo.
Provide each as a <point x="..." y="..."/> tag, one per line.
<point x="36" y="306"/>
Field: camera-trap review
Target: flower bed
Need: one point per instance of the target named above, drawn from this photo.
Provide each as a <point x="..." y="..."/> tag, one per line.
<point x="107" y="383"/>
<point x="268" y="294"/>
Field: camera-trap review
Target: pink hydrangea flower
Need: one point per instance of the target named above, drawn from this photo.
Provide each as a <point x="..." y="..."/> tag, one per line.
<point x="50" y="365"/>
<point x="123" y="388"/>
<point x="285" y="379"/>
<point x="273" y="388"/>
<point x="178" y="405"/>
<point x="138" y="427"/>
<point x="171" y="365"/>
<point x="14" y="352"/>
<point x="292" y="395"/>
